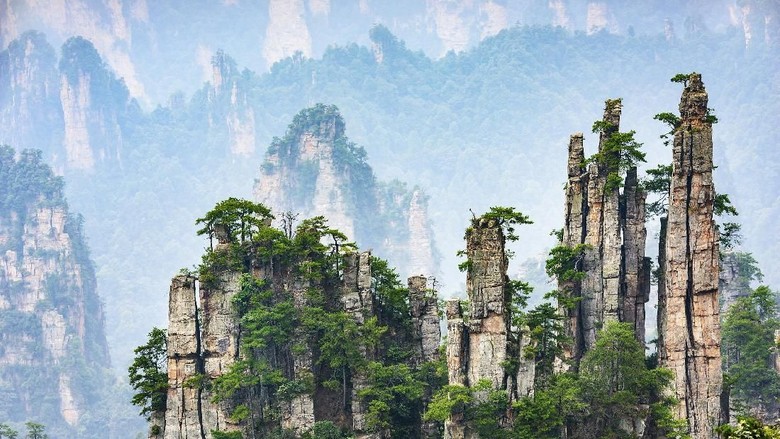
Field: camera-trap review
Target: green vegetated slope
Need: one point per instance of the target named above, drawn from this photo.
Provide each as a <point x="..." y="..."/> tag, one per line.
<point x="54" y="363"/>
<point x="485" y="127"/>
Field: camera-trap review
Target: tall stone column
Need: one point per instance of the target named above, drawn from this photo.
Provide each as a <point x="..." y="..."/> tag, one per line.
<point x="611" y="239"/>
<point x="358" y="303"/>
<point x="183" y="417"/>
<point x="690" y="319"/>
<point x="574" y="234"/>
<point x="426" y="333"/>
<point x="488" y="315"/>
<point x="634" y="279"/>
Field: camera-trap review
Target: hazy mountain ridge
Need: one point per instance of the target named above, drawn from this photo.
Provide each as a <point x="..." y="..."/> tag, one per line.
<point x="142" y="40"/>
<point x="476" y="129"/>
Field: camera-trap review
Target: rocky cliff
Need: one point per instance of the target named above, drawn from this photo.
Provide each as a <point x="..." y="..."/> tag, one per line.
<point x="284" y="334"/>
<point x="79" y="101"/>
<point x="689" y="319"/>
<point x="609" y="226"/>
<point x="54" y="359"/>
<point x="481" y="341"/>
<point x="315" y="170"/>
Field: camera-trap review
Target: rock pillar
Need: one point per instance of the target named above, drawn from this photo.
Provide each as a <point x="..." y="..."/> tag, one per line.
<point x="488" y="315"/>
<point x="690" y="321"/>
<point x="358" y="303"/>
<point x="183" y="416"/>
<point x="635" y="279"/>
<point x="574" y="234"/>
<point x="426" y="333"/>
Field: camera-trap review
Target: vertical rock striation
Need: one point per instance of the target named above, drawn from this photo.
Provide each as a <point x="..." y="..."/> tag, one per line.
<point x="426" y="334"/>
<point x="574" y="234"/>
<point x="358" y="303"/>
<point x="183" y="417"/>
<point x="616" y="274"/>
<point x="635" y="268"/>
<point x="690" y="317"/>
<point x="488" y="313"/>
<point x="478" y="349"/>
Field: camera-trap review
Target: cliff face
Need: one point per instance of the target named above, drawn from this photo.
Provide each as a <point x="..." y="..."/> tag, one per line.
<point x="29" y="94"/>
<point x="291" y="337"/>
<point x="51" y="318"/>
<point x="616" y="274"/>
<point x="479" y="346"/>
<point x="690" y="317"/>
<point x="316" y="170"/>
<point x="72" y="111"/>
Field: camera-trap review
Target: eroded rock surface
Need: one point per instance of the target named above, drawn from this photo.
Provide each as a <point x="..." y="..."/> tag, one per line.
<point x="690" y="318"/>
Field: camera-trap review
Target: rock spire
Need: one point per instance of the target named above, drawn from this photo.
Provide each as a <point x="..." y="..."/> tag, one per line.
<point x="689" y="319"/>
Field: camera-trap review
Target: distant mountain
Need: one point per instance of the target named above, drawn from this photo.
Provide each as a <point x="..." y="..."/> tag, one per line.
<point x="54" y="362"/>
<point x="315" y="170"/>
<point x="488" y="126"/>
<point x="152" y="45"/>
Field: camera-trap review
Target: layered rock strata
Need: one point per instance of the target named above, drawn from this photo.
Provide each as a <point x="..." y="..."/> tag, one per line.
<point x="690" y="318"/>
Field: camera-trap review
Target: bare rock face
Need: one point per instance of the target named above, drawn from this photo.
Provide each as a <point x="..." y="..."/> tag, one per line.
<point x="183" y="417"/>
<point x="573" y="234"/>
<point x="425" y="319"/>
<point x="690" y="317"/>
<point x="426" y="333"/>
<point x="478" y="349"/>
<point x="488" y="315"/>
<point x="616" y="281"/>
<point x="358" y="303"/>
<point x="315" y="170"/>
<point x="635" y="281"/>
<point x="202" y="344"/>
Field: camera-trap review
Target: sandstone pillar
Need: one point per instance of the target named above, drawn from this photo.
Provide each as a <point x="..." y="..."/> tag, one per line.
<point x="690" y="319"/>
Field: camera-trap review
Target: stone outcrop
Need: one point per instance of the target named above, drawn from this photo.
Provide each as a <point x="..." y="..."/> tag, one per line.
<point x="689" y="320"/>
<point x="478" y="348"/>
<point x="358" y="303"/>
<point x="51" y="317"/>
<point x="573" y="234"/>
<point x="616" y="274"/>
<point x="229" y="106"/>
<point x="315" y="170"/>
<point x="426" y="334"/>
<point x="426" y="331"/>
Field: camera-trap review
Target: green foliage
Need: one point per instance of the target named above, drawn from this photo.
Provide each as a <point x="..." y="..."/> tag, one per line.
<point x="682" y="78"/>
<point x="35" y="430"/>
<point x="728" y="232"/>
<point x="507" y="218"/>
<point x="394" y="396"/>
<point x="149" y="374"/>
<point x="237" y="218"/>
<point x="749" y="328"/>
<point x="545" y="414"/>
<point x="618" y="153"/>
<point x="614" y="380"/>
<point x="546" y="332"/>
<point x="325" y="430"/>
<point x="749" y="428"/>
<point x="7" y="432"/>
<point x="658" y="182"/>
<point x="26" y="181"/>
<point x="217" y="434"/>
<point x="673" y="121"/>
